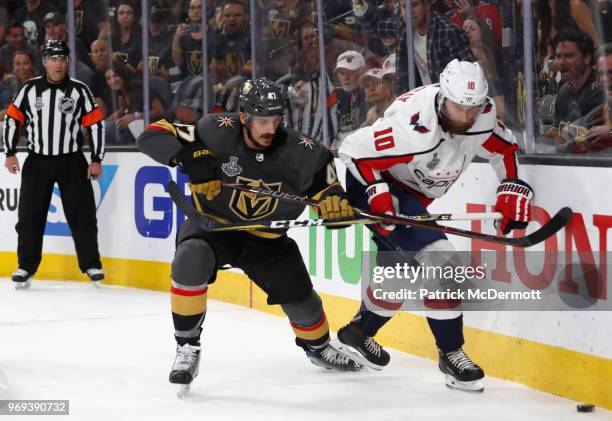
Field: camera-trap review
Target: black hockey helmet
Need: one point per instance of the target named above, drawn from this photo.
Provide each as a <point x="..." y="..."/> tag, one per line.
<point x="261" y="97"/>
<point x="55" y="47"/>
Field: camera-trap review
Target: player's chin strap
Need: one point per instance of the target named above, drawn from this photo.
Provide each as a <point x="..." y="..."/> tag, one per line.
<point x="558" y="221"/>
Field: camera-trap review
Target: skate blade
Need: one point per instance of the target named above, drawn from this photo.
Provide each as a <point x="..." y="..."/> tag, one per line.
<point x="475" y="386"/>
<point x="97" y="284"/>
<point x="23" y="285"/>
<point x="356" y="356"/>
<point x="183" y="391"/>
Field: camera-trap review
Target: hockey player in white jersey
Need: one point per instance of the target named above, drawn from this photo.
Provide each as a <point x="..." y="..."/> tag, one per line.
<point x="404" y="161"/>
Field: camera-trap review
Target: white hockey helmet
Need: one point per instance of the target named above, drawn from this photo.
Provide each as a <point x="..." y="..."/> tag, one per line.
<point x="464" y="83"/>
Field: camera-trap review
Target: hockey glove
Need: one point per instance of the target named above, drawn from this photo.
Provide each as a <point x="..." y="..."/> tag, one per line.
<point x="381" y="202"/>
<point x="202" y="168"/>
<point x="335" y="207"/>
<point x="514" y="202"/>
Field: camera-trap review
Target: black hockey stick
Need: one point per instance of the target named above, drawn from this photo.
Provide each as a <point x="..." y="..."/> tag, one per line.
<point x="305" y="200"/>
<point x="207" y="224"/>
<point x="558" y="221"/>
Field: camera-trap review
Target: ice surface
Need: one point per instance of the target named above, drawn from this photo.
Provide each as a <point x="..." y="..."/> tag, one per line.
<point x="109" y="352"/>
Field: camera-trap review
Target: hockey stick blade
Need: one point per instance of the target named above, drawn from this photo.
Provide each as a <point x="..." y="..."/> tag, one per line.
<point x="558" y="221"/>
<point x="185" y="206"/>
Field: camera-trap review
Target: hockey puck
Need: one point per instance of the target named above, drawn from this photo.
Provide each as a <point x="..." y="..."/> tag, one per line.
<point x="585" y="407"/>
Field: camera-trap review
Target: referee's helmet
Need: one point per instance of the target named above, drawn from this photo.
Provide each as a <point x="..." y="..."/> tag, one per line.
<point x="55" y="47"/>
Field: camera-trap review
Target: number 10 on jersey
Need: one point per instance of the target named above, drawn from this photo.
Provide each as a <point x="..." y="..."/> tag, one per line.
<point x="383" y="139"/>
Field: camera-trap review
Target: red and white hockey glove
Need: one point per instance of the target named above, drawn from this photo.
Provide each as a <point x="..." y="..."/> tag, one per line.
<point x="514" y="202"/>
<point x="381" y="202"/>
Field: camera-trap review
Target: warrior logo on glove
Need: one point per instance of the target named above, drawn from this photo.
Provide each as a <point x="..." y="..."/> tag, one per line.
<point x="514" y="202"/>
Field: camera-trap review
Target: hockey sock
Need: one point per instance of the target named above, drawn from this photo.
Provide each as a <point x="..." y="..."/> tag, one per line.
<point x="315" y="336"/>
<point x="188" y="312"/>
<point x="368" y="322"/>
<point x="448" y="333"/>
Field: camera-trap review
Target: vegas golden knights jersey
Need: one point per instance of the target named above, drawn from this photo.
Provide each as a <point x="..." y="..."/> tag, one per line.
<point x="294" y="164"/>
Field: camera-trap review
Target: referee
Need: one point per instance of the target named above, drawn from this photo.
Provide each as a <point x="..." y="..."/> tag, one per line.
<point x="53" y="109"/>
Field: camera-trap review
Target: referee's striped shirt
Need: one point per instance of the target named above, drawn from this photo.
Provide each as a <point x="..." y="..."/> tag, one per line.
<point x="53" y="115"/>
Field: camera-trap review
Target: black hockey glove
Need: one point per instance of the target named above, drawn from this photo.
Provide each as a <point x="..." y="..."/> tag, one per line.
<point x="202" y="168"/>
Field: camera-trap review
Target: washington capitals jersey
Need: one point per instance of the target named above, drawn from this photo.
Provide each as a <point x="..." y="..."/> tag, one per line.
<point x="408" y="146"/>
<point x="294" y="164"/>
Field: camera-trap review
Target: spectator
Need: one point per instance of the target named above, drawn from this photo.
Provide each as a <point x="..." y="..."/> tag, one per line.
<point x="376" y="93"/>
<point x="187" y="42"/>
<point x="477" y="31"/>
<point x="91" y="19"/>
<point x="101" y="58"/>
<point x="55" y="28"/>
<point x="285" y="16"/>
<point x="16" y="40"/>
<point x="561" y="15"/>
<point x="23" y="67"/>
<point x="352" y="106"/>
<point x="305" y="114"/>
<point x="8" y="88"/>
<point x="580" y="93"/>
<point x="31" y="16"/>
<point x="598" y="138"/>
<point x="485" y="11"/>
<point x="126" y="35"/>
<point x="389" y="75"/>
<point x="231" y="55"/>
<point x="127" y="97"/>
<point x="485" y="58"/>
<point x="436" y="40"/>
<point x="388" y="36"/>
<point x="160" y="46"/>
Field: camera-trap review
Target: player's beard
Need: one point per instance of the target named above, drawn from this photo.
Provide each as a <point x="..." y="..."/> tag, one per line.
<point x="452" y="126"/>
<point x="258" y="145"/>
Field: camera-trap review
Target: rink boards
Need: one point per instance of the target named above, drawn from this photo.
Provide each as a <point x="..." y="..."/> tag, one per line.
<point x="567" y="353"/>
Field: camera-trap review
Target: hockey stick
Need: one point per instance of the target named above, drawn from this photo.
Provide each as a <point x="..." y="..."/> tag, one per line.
<point x="558" y="221"/>
<point x="207" y="224"/>
<point x="305" y="200"/>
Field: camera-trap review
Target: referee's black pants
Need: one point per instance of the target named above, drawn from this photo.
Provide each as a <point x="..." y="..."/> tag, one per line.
<point x="39" y="174"/>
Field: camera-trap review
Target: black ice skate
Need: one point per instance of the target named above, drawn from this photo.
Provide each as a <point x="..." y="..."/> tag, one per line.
<point x="185" y="368"/>
<point x="461" y="372"/>
<point x="363" y="349"/>
<point x="22" y="279"/>
<point x="329" y="358"/>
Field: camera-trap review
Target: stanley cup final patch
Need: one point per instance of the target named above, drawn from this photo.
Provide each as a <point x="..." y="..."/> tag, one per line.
<point x="231" y="169"/>
<point x="66" y="105"/>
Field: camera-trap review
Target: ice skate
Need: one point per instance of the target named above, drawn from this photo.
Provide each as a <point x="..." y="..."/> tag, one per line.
<point x="185" y="368"/>
<point x="363" y="349"/>
<point x="461" y="372"/>
<point x="329" y="358"/>
<point x="22" y="279"/>
<point x="96" y="276"/>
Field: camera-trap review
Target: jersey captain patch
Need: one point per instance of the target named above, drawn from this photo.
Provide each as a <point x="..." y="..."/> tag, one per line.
<point x="249" y="206"/>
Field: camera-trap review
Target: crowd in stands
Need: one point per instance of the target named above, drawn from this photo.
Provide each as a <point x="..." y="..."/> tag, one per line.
<point x="365" y="54"/>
